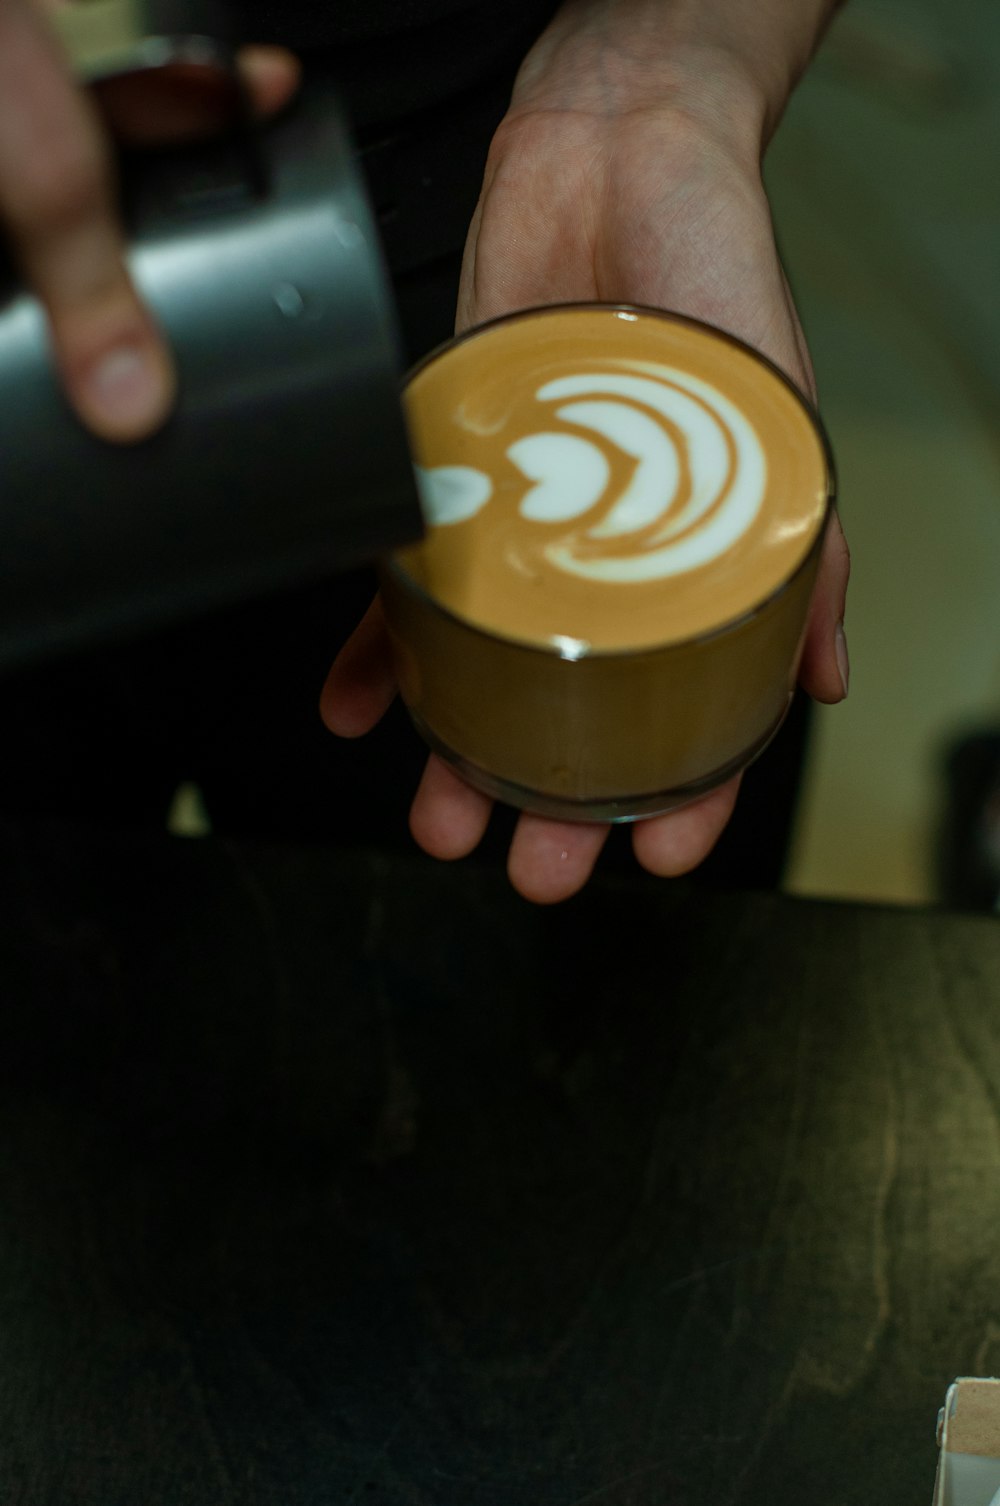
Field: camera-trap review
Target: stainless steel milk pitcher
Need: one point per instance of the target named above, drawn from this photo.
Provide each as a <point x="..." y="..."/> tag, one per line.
<point x="286" y="456"/>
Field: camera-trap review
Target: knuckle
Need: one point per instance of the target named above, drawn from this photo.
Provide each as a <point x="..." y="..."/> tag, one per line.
<point x="66" y="186"/>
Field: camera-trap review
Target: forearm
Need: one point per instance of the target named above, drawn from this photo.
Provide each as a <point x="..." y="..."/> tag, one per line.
<point x="720" y="57"/>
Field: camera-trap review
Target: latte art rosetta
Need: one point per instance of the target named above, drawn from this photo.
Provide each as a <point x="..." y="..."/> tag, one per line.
<point x="596" y="479"/>
<point x="695" y="474"/>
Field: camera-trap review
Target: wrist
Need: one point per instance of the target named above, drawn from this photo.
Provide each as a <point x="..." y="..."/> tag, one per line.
<point x="706" y="61"/>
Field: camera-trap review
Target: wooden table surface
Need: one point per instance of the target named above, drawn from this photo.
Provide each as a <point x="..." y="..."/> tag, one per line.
<point x="333" y="1178"/>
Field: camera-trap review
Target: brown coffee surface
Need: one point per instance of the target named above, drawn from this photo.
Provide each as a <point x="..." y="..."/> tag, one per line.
<point x="606" y="479"/>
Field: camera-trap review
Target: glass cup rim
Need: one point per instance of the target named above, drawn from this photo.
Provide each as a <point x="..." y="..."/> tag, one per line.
<point x="587" y="651"/>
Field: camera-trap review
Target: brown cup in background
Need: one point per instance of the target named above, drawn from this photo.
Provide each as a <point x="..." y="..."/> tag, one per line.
<point x="529" y="656"/>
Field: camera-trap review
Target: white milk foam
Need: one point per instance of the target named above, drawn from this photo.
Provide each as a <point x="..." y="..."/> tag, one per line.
<point x="452" y="493"/>
<point x="570" y="473"/>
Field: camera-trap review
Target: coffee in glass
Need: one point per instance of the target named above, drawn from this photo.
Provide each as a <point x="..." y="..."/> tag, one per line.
<point x="625" y="511"/>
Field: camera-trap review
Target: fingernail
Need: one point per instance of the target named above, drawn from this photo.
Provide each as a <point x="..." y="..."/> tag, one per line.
<point x="126" y="388"/>
<point x="843" y="661"/>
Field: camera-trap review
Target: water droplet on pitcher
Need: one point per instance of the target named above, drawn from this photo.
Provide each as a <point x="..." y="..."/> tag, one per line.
<point x="289" y="301"/>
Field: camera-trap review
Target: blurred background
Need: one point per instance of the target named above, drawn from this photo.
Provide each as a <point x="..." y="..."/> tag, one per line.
<point x="886" y="193"/>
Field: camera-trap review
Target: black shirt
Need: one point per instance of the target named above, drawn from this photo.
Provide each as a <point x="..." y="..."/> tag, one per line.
<point x="397" y="57"/>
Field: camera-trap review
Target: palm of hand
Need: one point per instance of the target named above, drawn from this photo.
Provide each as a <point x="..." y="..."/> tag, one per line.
<point x="637" y="210"/>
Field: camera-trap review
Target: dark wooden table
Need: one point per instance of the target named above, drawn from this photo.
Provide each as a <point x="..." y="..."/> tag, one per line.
<point x="341" y="1179"/>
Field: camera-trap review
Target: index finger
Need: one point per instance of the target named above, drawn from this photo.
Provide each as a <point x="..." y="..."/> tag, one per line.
<point x="57" y="200"/>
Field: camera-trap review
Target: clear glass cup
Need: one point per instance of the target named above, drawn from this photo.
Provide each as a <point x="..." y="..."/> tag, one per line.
<point x="562" y="724"/>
